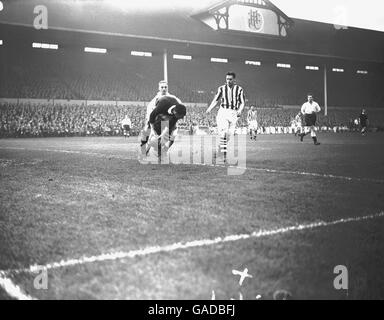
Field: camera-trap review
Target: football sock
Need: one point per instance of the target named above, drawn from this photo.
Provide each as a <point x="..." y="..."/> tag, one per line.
<point x="223" y="146"/>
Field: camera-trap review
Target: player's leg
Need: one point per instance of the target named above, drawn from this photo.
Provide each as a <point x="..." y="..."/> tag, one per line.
<point x="255" y="130"/>
<point x="230" y="132"/>
<point x="223" y="143"/>
<point x="252" y="130"/>
<point x="222" y="128"/>
<point x="295" y="130"/>
<point x="170" y="140"/>
<point x="153" y="142"/>
<point x="159" y="147"/>
<point x="144" y="137"/>
<point x="314" y="137"/>
<point x="304" y="132"/>
<point x="309" y="122"/>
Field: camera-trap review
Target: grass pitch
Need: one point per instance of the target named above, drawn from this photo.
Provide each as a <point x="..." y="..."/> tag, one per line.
<point x="70" y="198"/>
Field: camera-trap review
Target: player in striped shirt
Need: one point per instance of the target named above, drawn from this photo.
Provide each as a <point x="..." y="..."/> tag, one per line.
<point x="232" y="100"/>
<point x="252" y="122"/>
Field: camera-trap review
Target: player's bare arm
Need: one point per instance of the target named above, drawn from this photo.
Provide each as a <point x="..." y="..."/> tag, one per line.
<point x="240" y="109"/>
<point x="214" y="102"/>
<point x="242" y="103"/>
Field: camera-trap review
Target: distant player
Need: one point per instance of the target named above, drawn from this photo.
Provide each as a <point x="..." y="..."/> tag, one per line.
<point x="126" y="125"/>
<point x="309" y="110"/>
<point x="363" y="118"/>
<point x="297" y="124"/>
<point x="162" y="121"/>
<point x="232" y="101"/>
<point x="252" y="122"/>
<point x="144" y="135"/>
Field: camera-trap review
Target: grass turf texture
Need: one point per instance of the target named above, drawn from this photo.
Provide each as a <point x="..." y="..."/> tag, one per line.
<point x="65" y="198"/>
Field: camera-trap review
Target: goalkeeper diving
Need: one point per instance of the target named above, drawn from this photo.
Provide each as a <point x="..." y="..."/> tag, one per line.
<point x="162" y="121"/>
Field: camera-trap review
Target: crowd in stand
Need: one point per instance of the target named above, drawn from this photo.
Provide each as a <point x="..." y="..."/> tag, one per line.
<point x="71" y="75"/>
<point x="33" y="120"/>
<point x="43" y="119"/>
<point x="79" y="76"/>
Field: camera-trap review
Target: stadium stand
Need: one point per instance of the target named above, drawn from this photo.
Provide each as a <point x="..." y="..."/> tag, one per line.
<point x="67" y="74"/>
<point x="44" y="119"/>
<point x="70" y="75"/>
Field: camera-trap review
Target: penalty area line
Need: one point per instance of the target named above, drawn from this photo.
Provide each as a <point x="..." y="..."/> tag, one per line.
<point x="12" y="289"/>
<point x="186" y="245"/>
<point x="300" y="173"/>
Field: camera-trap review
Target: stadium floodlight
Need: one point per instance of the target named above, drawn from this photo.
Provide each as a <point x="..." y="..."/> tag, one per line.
<point x="182" y="57"/>
<point x="221" y="60"/>
<point x="1" y="42"/>
<point x="283" y="65"/>
<point x="45" y="46"/>
<point x="253" y="63"/>
<point x="311" y="68"/>
<point x="141" y="54"/>
<point x="337" y="70"/>
<point x="95" y="50"/>
<point x="1" y="6"/>
<point x="362" y="72"/>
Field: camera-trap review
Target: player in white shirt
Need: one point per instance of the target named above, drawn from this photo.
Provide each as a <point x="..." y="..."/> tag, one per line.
<point x="252" y="122"/>
<point x="144" y="135"/>
<point x="296" y="124"/>
<point x="126" y="125"/>
<point x="309" y="110"/>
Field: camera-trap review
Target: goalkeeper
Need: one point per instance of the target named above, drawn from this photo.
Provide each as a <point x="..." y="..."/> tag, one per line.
<point x="163" y="120"/>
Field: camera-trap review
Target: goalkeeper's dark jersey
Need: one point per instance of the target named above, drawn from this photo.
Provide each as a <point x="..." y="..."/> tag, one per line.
<point x="162" y="108"/>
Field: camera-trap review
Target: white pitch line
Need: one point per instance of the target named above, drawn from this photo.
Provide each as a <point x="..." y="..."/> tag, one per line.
<point x="12" y="289"/>
<point x="301" y="173"/>
<point x="192" y="244"/>
<point x="313" y="174"/>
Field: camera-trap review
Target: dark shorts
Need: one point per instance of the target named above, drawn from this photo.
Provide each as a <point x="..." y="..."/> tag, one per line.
<point x="126" y="127"/>
<point x="310" y="120"/>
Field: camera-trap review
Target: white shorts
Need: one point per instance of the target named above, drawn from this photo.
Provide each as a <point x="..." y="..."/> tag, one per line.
<point x="226" y="121"/>
<point x="253" y="125"/>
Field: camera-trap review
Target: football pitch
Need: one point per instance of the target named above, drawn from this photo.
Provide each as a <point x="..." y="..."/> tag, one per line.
<point x="84" y="219"/>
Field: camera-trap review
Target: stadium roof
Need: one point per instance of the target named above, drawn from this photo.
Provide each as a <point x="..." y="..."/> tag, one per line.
<point x="182" y="25"/>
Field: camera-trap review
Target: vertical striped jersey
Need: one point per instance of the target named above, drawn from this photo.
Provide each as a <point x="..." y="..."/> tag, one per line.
<point x="230" y="98"/>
